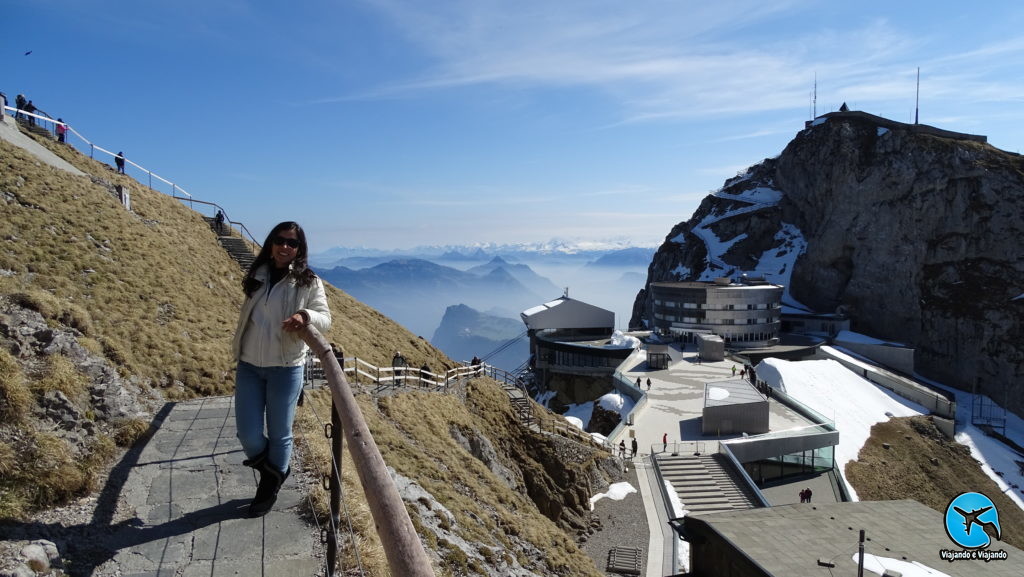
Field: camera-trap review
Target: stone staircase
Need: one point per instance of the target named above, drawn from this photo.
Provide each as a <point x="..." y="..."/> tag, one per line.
<point x="706" y="483"/>
<point x="35" y="129"/>
<point x="234" y="245"/>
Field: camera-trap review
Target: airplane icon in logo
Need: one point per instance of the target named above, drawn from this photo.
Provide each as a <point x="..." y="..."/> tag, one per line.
<point x="970" y="519"/>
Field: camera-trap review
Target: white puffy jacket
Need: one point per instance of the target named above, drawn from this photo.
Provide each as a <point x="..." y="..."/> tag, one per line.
<point x="259" y="338"/>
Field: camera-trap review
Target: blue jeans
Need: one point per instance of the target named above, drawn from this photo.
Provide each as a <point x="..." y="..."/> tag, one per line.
<point x="267" y="394"/>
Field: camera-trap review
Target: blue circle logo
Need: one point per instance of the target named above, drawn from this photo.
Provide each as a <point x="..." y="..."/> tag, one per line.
<point x="972" y="521"/>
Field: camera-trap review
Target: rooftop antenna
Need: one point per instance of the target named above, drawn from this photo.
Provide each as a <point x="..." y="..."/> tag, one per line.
<point x="566" y="293"/>
<point x="917" y="97"/>
<point x="814" y="101"/>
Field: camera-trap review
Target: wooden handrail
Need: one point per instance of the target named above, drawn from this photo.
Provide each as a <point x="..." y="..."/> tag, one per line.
<point x="405" y="553"/>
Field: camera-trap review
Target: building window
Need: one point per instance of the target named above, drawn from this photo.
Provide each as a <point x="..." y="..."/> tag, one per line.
<point x="689" y="305"/>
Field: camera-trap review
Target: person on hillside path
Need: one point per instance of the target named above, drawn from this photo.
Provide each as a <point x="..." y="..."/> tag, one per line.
<point x="31" y="109"/>
<point x="282" y="296"/>
<point x="62" y="131"/>
<point x="19" y="103"/>
<point x="634" y="448"/>
<point x="119" y="161"/>
<point x="664" y="442"/>
<point x="622" y="449"/>
<point x="220" y="221"/>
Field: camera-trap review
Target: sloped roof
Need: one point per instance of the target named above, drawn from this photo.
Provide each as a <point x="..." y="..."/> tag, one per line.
<point x="567" y="313"/>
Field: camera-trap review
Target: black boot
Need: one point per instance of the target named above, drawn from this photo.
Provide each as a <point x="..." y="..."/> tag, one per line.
<point x="258" y="460"/>
<point x="266" y="493"/>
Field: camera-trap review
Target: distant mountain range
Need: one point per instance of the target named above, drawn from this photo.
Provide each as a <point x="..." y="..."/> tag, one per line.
<point x="581" y="251"/>
<point x="465" y="333"/>
<point x="416" y="292"/>
<point x="415" y="286"/>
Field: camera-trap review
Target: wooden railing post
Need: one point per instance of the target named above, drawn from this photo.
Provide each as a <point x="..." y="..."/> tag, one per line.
<point x="404" y="552"/>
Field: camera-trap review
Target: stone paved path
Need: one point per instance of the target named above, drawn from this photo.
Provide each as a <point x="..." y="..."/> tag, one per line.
<point x="181" y="504"/>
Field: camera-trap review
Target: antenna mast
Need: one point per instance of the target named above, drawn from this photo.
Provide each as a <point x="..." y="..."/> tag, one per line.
<point x="917" y="97"/>
<point x="815" y="100"/>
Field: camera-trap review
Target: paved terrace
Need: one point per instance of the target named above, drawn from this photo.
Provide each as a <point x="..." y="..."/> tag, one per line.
<point x="176" y="506"/>
<point x="674" y="406"/>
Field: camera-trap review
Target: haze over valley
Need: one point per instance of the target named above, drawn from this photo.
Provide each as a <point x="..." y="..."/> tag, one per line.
<point x="417" y="286"/>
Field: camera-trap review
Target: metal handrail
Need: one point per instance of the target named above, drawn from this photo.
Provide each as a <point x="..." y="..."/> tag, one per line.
<point x="175" y="189"/>
<point x="92" y="148"/>
<point x="239" y="224"/>
<point x="404" y="551"/>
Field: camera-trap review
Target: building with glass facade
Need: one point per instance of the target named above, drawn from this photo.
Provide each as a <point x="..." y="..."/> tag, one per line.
<point x="745" y="314"/>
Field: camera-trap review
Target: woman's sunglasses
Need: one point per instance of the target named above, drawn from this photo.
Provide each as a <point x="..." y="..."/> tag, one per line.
<point x="291" y="242"/>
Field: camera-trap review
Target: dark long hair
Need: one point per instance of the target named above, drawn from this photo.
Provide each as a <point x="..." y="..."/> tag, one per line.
<point x="300" y="268"/>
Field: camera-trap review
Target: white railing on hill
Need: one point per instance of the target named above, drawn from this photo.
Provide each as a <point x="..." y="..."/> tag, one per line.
<point x="49" y="124"/>
<point x="362" y="371"/>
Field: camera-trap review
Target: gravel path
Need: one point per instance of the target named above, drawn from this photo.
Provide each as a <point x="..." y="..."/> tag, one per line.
<point x="622" y="524"/>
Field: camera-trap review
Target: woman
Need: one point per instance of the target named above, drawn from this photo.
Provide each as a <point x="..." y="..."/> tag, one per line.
<point x="282" y="295"/>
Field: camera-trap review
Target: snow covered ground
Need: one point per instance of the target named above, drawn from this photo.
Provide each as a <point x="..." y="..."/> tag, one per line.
<point x="836" y="393"/>
<point x="682" y="547"/>
<point x="856" y="404"/>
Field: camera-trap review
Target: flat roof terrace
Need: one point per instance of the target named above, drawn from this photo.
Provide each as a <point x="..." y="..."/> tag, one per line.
<point x="675" y="402"/>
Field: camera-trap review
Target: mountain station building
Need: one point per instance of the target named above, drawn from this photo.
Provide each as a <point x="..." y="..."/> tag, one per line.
<point x="745" y="314"/>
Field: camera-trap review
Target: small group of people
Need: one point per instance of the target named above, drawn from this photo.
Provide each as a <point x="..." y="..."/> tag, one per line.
<point x="25" y="105"/>
<point x="648" y="383"/>
<point x="805" y="495"/>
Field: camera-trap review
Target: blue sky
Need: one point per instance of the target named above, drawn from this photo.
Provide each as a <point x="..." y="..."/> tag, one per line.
<point x="393" y="123"/>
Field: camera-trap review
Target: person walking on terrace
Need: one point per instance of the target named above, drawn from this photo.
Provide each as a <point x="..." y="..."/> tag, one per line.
<point x="282" y="295"/>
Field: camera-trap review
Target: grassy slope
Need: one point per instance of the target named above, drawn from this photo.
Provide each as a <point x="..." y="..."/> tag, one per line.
<point x="154" y="287"/>
<point x="906" y="471"/>
<point x="155" y="293"/>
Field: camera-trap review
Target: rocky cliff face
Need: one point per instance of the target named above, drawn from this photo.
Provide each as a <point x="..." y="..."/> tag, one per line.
<point x="917" y="235"/>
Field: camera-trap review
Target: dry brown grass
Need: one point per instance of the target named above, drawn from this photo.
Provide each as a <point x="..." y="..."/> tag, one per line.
<point x="155" y="294"/>
<point x="906" y="471"/>
<point x="61" y="375"/>
<point x="151" y="290"/>
<point x="15" y="396"/>
<point x="412" y="433"/>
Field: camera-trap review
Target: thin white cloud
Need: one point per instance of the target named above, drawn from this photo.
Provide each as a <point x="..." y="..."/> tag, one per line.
<point x="673" y="61"/>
